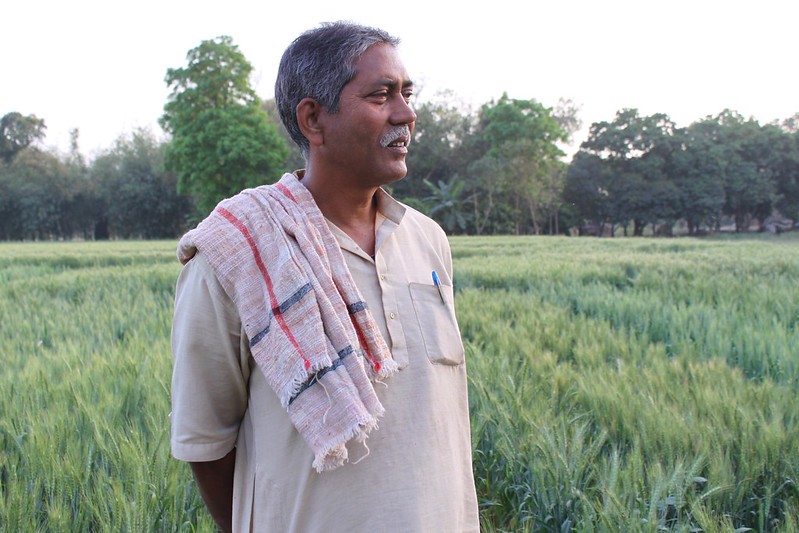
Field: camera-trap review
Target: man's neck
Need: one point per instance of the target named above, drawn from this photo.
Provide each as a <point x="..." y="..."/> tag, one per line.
<point x="351" y="209"/>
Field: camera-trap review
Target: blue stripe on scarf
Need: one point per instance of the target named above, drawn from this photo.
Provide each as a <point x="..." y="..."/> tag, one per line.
<point x="261" y="334"/>
<point x="282" y="308"/>
<point x="294" y="298"/>
<point x="318" y="375"/>
<point x="356" y="307"/>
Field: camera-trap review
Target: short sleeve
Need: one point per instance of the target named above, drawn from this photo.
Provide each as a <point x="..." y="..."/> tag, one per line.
<point x="211" y="367"/>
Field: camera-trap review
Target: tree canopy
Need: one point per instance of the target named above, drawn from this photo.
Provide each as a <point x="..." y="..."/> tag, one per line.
<point x="140" y="197"/>
<point x="222" y="139"/>
<point x="17" y="132"/>
<point x="647" y="171"/>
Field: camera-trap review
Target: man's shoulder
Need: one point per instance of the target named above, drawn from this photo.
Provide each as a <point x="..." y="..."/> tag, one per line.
<point x="420" y="221"/>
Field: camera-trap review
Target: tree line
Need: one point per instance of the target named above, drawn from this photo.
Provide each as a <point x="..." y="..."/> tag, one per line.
<point x="123" y="193"/>
<point x="501" y="170"/>
<point x="496" y="169"/>
<point x="638" y="171"/>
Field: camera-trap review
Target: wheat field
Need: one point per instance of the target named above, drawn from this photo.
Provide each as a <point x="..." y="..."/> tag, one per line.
<point x="615" y="385"/>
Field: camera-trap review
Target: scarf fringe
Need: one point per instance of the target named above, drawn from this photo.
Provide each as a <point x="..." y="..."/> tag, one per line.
<point x="337" y="454"/>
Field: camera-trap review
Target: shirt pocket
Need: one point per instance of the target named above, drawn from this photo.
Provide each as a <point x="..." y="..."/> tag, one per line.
<point x="438" y="324"/>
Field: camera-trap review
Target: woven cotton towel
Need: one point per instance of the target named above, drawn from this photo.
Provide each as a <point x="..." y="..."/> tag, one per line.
<point x="310" y="331"/>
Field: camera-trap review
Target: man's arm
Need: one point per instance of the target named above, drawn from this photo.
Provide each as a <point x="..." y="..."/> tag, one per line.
<point x="215" y="481"/>
<point x="209" y="385"/>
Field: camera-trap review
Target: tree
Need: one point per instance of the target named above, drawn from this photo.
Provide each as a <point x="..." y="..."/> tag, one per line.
<point x="140" y="198"/>
<point x="295" y="159"/>
<point x="436" y="153"/>
<point x="521" y="160"/>
<point x="447" y="204"/>
<point x="635" y="152"/>
<point x="788" y="178"/>
<point x="222" y="139"/>
<point x="746" y="155"/>
<point x="85" y="208"/>
<point x="586" y="189"/>
<point x="17" y="132"/>
<point x="784" y="141"/>
<point x="567" y="114"/>
<point x="35" y="188"/>
<point x="697" y="171"/>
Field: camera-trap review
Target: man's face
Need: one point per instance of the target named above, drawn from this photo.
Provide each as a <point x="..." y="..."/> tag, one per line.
<point x="368" y="137"/>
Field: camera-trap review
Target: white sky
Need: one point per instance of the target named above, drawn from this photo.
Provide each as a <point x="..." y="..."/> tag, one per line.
<point x="99" y="66"/>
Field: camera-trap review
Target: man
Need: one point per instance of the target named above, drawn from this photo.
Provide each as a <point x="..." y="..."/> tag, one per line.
<point x="311" y="310"/>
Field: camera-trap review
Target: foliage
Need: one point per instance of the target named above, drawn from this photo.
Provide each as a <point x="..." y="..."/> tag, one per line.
<point x="217" y="76"/>
<point x="586" y="187"/>
<point x="522" y="158"/>
<point x="567" y="114"/>
<point x="295" y="160"/>
<point x="17" y="132"/>
<point x="698" y="174"/>
<point x="125" y="192"/>
<point x="634" y="151"/>
<point x="222" y="139"/>
<point x="42" y="194"/>
<point x="447" y="204"/>
<point x="140" y="197"/>
<point x="37" y="191"/>
<point x="749" y="190"/>
<point x="634" y="173"/>
<point x="785" y="166"/>
<point x="506" y="156"/>
<point x="645" y="170"/>
<point x="437" y="152"/>
<point x="224" y="151"/>
<point x="635" y="170"/>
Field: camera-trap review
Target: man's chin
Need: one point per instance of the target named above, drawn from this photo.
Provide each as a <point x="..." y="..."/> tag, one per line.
<point x="399" y="177"/>
<point x="397" y="173"/>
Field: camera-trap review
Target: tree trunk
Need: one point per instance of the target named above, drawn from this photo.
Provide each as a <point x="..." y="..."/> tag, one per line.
<point x="101" y="230"/>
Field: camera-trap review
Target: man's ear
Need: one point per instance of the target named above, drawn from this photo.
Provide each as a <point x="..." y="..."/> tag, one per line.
<point x="308" y="114"/>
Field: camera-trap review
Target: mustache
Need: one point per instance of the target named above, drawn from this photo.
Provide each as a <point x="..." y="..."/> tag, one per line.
<point x="397" y="132"/>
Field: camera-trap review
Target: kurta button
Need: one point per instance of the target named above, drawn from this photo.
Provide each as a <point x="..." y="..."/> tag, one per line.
<point x="392" y="315"/>
<point x="383" y="277"/>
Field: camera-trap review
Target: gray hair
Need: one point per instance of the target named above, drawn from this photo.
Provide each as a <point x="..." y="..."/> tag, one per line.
<point x="318" y="64"/>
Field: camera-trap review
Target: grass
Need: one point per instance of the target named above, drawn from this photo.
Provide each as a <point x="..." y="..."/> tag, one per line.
<point x="84" y="429"/>
<point x="632" y="385"/>
<point x="615" y="385"/>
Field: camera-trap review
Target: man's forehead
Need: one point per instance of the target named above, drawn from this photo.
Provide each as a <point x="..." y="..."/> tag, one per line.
<point x="381" y="65"/>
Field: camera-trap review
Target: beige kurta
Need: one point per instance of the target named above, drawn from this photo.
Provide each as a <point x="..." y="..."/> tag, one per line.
<point x="415" y="475"/>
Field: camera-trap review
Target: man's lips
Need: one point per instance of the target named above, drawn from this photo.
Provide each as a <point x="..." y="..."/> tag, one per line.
<point x="399" y="145"/>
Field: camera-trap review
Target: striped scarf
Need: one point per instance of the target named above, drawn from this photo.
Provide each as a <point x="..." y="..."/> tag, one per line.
<point x="309" y="330"/>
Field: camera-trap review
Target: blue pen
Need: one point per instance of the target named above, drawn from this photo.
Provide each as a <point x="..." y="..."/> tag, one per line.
<point x="437" y="283"/>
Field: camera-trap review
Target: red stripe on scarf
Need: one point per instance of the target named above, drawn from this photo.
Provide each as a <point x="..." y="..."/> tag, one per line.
<point x="230" y="217"/>
<point x="375" y="363"/>
<point x="362" y="339"/>
<point x="282" y="188"/>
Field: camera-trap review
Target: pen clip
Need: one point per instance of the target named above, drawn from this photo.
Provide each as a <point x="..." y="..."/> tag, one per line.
<point x="437" y="283"/>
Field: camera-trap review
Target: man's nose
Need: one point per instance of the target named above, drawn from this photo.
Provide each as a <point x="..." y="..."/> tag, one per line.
<point x="403" y="112"/>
